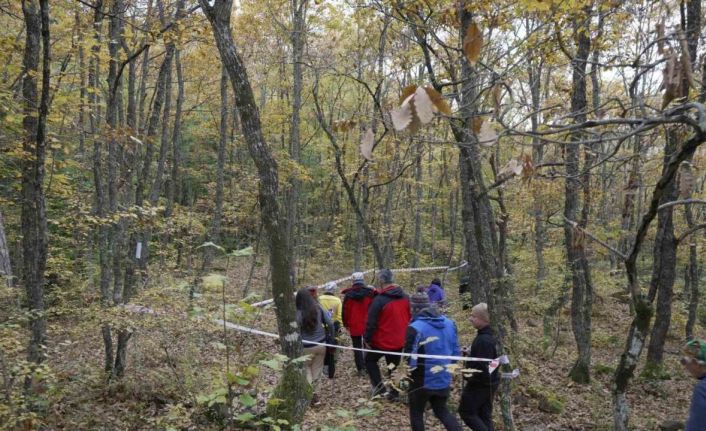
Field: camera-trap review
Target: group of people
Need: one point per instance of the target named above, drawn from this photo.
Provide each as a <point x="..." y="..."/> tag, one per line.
<point x="386" y="322"/>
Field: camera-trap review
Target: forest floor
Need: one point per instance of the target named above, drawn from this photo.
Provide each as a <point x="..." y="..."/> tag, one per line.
<point x="176" y="363"/>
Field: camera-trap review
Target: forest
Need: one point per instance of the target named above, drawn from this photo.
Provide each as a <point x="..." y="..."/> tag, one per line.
<point x="172" y="171"/>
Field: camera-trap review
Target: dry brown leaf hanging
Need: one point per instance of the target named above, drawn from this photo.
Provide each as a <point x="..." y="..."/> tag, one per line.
<point x="660" y="37"/>
<point x="578" y="237"/>
<point x="366" y="144"/>
<point x="487" y="136"/>
<point x="402" y="116"/>
<point x="473" y="43"/>
<point x="423" y="106"/>
<point x="672" y="79"/>
<point x="476" y="124"/>
<point x="513" y="167"/>
<point x="527" y="168"/>
<point x="685" y="62"/>
<point x="438" y="100"/>
<point x="406" y="92"/>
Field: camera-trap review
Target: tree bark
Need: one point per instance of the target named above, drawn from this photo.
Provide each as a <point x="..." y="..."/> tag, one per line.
<point x="292" y="388"/>
<point x="642" y="306"/>
<point x="297" y="39"/>
<point x="33" y="211"/>
<point x="5" y="264"/>
<point x="482" y="238"/>
<point x="582" y="289"/>
<point x="174" y="180"/>
<point x="215" y="235"/>
<point x="535" y="84"/>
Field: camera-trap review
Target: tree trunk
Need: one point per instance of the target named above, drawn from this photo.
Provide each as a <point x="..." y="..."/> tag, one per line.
<point x="5" y="264"/>
<point x="693" y="31"/>
<point x="220" y="167"/>
<point x="535" y="84"/>
<point x="582" y="290"/>
<point x="144" y="70"/>
<point x="173" y="189"/>
<point x="292" y="388"/>
<point x="297" y="39"/>
<point x="33" y="211"/>
<point x="419" y="192"/>
<point x="481" y="240"/>
<point x="642" y="306"/>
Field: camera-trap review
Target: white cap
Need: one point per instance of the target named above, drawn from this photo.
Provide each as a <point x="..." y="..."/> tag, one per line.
<point x="330" y="286"/>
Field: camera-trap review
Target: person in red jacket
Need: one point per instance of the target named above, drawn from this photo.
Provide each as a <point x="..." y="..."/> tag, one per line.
<point x="356" y="301"/>
<point x="388" y="317"/>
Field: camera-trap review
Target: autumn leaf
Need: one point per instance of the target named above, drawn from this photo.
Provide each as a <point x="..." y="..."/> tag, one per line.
<point x="511" y="168"/>
<point x="423" y="106"/>
<point x="487" y="136"/>
<point x="406" y="92"/>
<point x="476" y="124"/>
<point x="660" y="37"/>
<point x="438" y="100"/>
<point x="402" y="116"/>
<point x="366" y="144"/>
<point x="473" y="43"/>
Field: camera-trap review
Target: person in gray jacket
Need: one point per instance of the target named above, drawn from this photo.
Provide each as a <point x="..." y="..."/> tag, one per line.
<point x="314" y="324"/>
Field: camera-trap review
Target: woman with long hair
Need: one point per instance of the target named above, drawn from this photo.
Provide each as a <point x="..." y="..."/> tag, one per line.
<point x="314" y="323"/>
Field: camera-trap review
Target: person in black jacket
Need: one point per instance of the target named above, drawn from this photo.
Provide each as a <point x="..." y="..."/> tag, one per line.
<point x="476" y="407"/>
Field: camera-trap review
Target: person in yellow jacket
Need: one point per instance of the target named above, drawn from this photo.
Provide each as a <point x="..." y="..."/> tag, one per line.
<point x="333" y="306"/>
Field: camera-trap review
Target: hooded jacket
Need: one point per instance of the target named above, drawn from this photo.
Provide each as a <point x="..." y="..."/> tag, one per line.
<point x="388" y="318"/>
<point x="430" y="333"/>
<point x="356" y="301"/>
<point x="436" y="293"/>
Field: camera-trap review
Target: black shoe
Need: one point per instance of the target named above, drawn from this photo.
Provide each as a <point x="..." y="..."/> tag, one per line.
<point x="393" y="396"/>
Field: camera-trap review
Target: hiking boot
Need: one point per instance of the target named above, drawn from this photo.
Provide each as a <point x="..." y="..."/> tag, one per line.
<point x="393" y="396"/>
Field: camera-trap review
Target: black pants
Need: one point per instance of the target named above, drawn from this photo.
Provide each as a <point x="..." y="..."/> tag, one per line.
<point x="330" y="361"/>
<point x="357" y="354"/>
<point x="371" y="364"/>
<point x="417" y="404"/>
<point x="476" y="407"/>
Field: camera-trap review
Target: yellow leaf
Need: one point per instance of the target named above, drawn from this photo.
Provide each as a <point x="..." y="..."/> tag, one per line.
<point x="473" y="43"/>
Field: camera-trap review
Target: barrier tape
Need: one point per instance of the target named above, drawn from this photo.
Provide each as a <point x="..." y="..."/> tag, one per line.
<point x="500" y="360"/>
<point x="350" y="277"/>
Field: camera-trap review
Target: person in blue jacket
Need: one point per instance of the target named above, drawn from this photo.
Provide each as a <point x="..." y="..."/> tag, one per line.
<point x="436" y="293"/>
<point x="695" y="364"/>
<point x="433" y="334"/>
